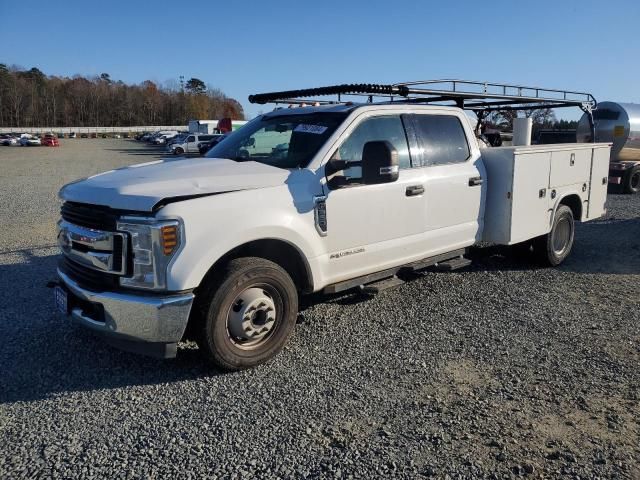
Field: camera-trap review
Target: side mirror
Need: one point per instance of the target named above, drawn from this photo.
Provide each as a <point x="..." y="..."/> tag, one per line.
<point x="379" y="163"/>
<point x="249" y="142"/>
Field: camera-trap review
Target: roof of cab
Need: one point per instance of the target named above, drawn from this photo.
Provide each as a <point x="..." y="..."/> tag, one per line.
<point x="350" y="107"/>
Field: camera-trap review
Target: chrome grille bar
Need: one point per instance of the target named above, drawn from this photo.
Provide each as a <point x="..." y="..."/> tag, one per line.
<point x="95" y="249"/>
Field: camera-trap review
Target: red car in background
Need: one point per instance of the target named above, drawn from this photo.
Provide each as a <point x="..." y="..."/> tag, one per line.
<point x="50" y="140"/>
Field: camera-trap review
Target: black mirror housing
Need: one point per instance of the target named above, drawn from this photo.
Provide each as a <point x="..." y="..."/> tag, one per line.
<point x="379" y="163"/>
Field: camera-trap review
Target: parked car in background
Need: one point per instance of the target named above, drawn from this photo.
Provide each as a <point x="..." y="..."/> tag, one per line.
<point x="84" y="135"/>
<point x="190" y="143"/>
<point x="73" y="135"/>
<point x="30" y="141"/>
<point x="204" y="147"/>
<point x="180" y="138"/>
<point x="164" y="137"/>
<point x="9" y="140"/>
<point x="50" y="140"/>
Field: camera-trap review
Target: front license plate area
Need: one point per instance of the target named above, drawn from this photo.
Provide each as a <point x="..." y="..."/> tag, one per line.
<point x="61" y="298"/>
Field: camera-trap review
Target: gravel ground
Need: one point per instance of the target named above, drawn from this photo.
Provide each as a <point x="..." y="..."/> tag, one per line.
<point x="501" y="370"/>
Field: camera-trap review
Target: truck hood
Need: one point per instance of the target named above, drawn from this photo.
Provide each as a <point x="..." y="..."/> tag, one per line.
<point x="141" y="187"/>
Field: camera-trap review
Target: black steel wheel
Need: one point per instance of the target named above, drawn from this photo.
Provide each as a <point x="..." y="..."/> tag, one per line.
<point x="553" y="248"/>
<point x="249" y="310"/>
<point x="632" y="180"/>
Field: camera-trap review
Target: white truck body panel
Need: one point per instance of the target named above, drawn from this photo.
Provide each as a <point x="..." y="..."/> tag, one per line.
<point x="527" y="183"/>
<point x="599" y="181"/>
<point x="140" y="187"/>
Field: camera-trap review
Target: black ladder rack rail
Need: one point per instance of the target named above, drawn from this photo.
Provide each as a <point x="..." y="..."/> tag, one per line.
<point x="486" y="96"/>
<point x="480" y="97"/>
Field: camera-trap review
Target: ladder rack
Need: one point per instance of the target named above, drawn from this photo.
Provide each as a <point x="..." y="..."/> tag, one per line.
<point x="471" y="95"/>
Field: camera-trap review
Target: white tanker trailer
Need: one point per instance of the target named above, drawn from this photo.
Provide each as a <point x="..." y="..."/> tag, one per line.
<point x="619" y="124"/>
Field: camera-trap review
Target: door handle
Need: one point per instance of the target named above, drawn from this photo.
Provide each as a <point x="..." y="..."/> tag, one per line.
<point x="414" y="190"/>
<point x="474" y="181"/>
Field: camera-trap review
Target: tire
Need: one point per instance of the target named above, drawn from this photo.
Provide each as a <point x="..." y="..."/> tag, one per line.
<point x="248" y="311"/>
<point x="553" y="248"/>
<point x="178" y="151"/>
<point x="632" y="180"/>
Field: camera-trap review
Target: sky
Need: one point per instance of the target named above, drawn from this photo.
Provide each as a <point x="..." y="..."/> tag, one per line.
<point x="245" y="47"/>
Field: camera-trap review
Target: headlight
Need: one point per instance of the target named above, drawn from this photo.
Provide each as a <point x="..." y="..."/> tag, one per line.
<point x="153" y="245"/>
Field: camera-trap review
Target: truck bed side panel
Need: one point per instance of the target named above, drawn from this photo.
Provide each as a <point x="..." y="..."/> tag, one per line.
<point x="530" y="212"/>
<point x="598" y="183"/>
<point x="569" y="167"/>
<point x="497" y="214"/>
<point x="525" y="184"/>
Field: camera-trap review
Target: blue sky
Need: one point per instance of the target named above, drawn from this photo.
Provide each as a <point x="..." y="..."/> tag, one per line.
<point x="248" y="47"/>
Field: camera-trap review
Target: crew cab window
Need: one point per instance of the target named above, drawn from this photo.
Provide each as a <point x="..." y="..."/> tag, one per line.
<point x="441" y="139"/>
<point x="191" y="139"/>
<point x="387" y="128"/>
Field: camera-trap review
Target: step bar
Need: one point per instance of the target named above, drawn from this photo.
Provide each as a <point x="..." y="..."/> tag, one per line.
<point x="390" y="272"/>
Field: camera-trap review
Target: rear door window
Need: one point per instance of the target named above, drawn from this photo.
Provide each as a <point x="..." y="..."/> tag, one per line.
<point x="440" y="138"/>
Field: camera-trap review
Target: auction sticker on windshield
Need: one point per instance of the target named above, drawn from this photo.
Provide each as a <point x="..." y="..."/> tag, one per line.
<point x="316" y="129"/>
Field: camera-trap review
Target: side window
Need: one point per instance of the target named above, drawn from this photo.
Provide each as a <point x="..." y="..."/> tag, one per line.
<point x="441" y="138"/>
<point x="377" y="128"/>
<point x="191" y="138"/>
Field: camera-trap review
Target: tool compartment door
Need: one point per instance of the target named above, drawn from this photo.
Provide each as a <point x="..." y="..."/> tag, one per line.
<point x="530" y="211"/>
<point x="569" y="167"/>
<point x="599" y="182"/>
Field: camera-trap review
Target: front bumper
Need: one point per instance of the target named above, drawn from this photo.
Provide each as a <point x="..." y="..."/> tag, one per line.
<point x="147" y="324"/>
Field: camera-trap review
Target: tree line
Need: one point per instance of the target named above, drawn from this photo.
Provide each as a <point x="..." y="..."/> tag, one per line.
<point x="29" y="98"/>
<point x="542" y="118"/>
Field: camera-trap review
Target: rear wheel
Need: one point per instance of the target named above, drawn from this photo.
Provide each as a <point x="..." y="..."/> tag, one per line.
<point x="249" y="310"/>
<point x="632" y="180"/>
<point x="553" y="248"/>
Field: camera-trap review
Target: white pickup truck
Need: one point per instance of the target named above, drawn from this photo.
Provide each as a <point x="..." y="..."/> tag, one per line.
<point x="317" y="198"/>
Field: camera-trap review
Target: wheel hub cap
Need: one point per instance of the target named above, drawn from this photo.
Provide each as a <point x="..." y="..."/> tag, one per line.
<point x="562" y="236"/>
<point x="252" y="315"/>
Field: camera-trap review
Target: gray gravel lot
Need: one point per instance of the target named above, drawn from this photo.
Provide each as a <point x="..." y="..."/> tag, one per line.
<point x="500" y="370"/>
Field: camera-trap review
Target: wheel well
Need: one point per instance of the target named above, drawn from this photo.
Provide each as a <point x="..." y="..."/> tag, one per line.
<point x="278" y="251"/>
<point x="575" y="204"/>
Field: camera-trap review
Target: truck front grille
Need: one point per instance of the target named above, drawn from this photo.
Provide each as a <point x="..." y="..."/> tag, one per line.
<point x="90" y="216"/>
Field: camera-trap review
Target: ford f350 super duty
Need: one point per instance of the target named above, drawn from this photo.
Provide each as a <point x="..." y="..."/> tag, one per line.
<point x="326" y="197"/>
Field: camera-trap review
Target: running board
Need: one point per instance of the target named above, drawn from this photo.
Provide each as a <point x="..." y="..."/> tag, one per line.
<point x="453" y="264"/>
<point x="381" y="285"/>
<point x="391" y="272"/>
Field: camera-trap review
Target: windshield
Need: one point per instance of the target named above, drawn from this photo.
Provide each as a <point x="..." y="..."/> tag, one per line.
<point x="283" y="141"/>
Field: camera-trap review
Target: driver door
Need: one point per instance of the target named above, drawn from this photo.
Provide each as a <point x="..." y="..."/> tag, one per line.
<point x="373" y="227"/>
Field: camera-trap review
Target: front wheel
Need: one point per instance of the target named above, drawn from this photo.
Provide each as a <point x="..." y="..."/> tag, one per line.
<point x="249" y="311"/>
<point x="179" y="151"/>
<point x="553" y="248"/>
<point x="632" y="180"/>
